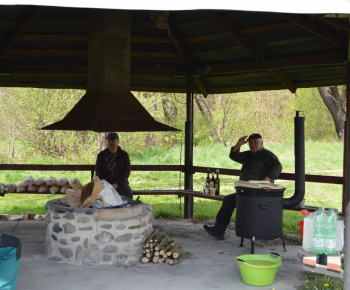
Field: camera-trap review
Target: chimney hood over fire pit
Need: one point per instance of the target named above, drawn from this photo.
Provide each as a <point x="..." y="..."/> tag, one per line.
<point x="108" y="104"/>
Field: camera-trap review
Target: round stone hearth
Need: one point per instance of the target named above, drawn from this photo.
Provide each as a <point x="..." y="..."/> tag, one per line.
<point x="108" y="236"/>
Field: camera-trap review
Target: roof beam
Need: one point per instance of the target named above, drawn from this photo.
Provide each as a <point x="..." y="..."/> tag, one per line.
<point x="235" y="34"/>
<point x="137" y="70"/>
<point x="180" y="49"/>
<point x="271" y="64"/>
<point x="337" y="22"/>
<point x="30" y="17"/>
<point x="241" y="40"/>
<point x="315" y="28"/>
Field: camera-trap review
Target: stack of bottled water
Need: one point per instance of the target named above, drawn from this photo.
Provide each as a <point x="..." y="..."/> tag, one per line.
<point x="325" y="236"/>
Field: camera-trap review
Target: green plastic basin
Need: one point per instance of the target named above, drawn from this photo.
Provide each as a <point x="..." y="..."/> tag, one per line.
<point x="259" y="270"/>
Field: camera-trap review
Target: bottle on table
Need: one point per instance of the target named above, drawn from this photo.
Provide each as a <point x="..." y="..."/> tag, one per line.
<point x="330" y="233"/>
<point x="207" y="182"/>
<point x="217" y="183"/>
<point x="212" y="184"/>
<point x="319" y="233"/>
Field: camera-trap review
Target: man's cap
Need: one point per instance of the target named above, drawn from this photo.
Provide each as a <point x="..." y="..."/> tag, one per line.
<point x="255" y="136"/>
<point x="112" y="136"/>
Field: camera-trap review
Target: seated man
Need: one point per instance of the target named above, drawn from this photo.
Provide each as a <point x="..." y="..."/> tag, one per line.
<point x="113" y="165"/>
<point x="10" y="257"/>
<point x="257" y="164"/>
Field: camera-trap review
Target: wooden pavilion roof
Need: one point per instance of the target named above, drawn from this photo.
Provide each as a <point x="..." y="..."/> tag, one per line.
<point x="225" y="50"/>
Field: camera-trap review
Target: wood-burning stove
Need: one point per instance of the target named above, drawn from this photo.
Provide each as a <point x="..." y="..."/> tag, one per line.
<point x="259" y="214"/>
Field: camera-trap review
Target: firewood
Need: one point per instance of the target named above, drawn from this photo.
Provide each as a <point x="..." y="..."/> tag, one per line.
<point x="145" y="259"/>
<point x="155" y="259"/>
<point x="62" y="181"/>
<point x="21" y="187"/>
<point x="50" y="181"/>
<point x="43" y="188"/>
<point x="39" y="181"/>
<point x="150" y="255"/>
<point x="166" y="248"/>
<point x="162" y="242"/>
<point x="74" y="181"/>
<point x="181" y="258"/>
<point x="170" y="261"/>
<point x="32" y="188"/>
<point x="158" y="237"/>
<point x="28" y="181"/>
<point x="156" y="253"/>
<point x="11" y="187"/>
<point x="160" y="260"/>
<point x="3" y="189"/>
<point x="177" y="253"/>
<point x="54" y="189"/>
<point x="64" y="188"/>
<point x="167" y="260"/>
<point x="151" y="236"/>
<point x="150" y="233"/>
<point x="173" y="249"/>
<point x="165" y="256"/>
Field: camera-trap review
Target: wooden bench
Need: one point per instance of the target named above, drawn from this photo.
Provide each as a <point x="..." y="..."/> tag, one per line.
<point x="179" y="193"/>
<point x="186" y="193"/>
<point x="192" y="193"/>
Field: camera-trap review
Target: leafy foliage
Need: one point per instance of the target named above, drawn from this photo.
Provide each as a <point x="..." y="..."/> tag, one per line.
<point x="270" y="113"/>
<point x="28" y="110"/>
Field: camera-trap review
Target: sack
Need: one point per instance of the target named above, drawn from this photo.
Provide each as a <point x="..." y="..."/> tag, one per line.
<point x="340" y="235"/>
<point x="108" y="197"/>
<point x="308" y="232"/>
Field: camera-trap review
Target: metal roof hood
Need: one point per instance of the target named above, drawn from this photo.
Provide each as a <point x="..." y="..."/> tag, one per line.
<point x="109" y="111"/>
<point x="108" y="104"/>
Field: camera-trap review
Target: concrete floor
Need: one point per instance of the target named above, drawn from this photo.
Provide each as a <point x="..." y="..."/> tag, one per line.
<point x="212" y="264"/>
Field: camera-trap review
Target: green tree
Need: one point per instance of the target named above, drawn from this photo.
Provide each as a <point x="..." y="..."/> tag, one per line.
<point x="31" y="109"/>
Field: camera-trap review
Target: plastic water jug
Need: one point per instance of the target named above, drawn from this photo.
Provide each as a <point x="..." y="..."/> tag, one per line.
<point x="319" y="233"/>
<point x="330" y="233"/>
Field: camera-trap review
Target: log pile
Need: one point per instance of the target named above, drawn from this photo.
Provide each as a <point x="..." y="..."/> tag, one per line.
<point x="158" y="248"/>
<point x="40" y="185"/>
<point x="22" y="217"/>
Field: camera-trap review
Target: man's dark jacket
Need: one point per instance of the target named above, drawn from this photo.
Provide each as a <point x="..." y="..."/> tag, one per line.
<point x="257" y="166"/>
<point x="121" y="171"/>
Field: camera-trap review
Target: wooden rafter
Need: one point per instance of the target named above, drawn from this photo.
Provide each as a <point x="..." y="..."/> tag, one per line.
<point x="182" y="52"/>
<point x="241" y="41"/>
<point x="340" y="23"/>
<point x="21" y="28"/>
<point x="53" y="50"/>
<point x="234" y="34"/>
<point x="271" y="64"/>
<point x="220" y="69"/>
<point x="316" y="29"/>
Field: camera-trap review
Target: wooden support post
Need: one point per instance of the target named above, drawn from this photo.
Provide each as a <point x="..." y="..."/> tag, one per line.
<point x="346" y="189"/>
<point x="188" y="204"/>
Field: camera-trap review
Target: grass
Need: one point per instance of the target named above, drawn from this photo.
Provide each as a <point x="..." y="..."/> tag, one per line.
<point x="215" y="155"/>
<point x="321" y="158"/>
<point x="314" y="281"/>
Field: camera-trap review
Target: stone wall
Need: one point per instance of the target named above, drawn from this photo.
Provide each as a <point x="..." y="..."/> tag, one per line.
<point x="96" y="236"/>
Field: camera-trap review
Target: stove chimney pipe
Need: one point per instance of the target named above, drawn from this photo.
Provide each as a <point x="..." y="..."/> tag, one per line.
<point x="299" y="154"/>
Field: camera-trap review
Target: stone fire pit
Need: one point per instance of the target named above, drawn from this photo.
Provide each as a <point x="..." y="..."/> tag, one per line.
<point x="109" y="236"/>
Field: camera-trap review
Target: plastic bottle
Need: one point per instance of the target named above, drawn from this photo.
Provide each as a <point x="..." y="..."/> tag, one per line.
<point x="319" y="233"/>
<point x="330" y="233"/>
